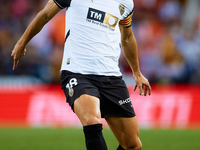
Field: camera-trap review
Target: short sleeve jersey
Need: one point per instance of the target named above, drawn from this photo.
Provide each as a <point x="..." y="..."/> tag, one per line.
<point x="92" y="42"/>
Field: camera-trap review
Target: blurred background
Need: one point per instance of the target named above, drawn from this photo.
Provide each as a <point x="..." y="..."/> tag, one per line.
<point x="167" y="32"/>
<point x="168" y="37"/>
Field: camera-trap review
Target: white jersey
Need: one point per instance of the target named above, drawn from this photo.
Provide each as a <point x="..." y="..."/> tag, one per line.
<point x="92" y="43"/>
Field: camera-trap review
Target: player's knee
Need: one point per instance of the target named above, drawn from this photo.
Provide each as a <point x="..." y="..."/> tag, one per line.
<point x="92" y="120"/>
<point x="138" y="146"/>
<point x="134" y="145"/>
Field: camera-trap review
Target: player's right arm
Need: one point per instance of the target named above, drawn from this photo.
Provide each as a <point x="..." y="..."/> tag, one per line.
<point x="46" y="14"/>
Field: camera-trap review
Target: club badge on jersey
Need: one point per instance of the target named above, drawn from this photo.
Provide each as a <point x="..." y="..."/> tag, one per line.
<point x="121" y="9"/>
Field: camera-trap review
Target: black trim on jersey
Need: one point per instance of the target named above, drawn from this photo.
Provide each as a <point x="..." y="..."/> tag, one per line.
<point x="67" y="35"/>
<point x="62" y="3"/>
<point x="130" y="13"/>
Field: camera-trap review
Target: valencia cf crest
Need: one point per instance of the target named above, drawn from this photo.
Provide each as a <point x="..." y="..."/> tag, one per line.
<point x="121" y="9"/>
<point x="71" y="92"/>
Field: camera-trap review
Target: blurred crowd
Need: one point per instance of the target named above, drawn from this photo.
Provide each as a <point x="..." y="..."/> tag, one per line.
<point x="167" y="33"/>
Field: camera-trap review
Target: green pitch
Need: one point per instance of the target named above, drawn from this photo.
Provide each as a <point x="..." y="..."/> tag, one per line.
<point x="73" y="139"/>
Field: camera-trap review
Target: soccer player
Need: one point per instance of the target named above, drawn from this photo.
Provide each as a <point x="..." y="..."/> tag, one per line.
<point x="90" y="77"/>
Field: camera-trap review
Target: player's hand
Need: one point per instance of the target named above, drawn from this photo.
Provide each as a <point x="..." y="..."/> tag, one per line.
<point x="142" y="84"/>
<point x="17" y="53"/>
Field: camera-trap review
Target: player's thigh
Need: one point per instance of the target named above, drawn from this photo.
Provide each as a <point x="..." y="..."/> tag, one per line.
<point x="126" y="130"/>
<point x="87" y="108"/>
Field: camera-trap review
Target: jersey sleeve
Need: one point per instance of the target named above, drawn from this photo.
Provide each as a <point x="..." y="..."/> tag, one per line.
<point x="127" y="21"/>
<point x="128" y="13"/>
<point x="62" y="3"/>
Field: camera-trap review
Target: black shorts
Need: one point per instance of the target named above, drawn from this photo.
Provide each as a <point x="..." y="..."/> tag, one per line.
<point x="112" y="92"/>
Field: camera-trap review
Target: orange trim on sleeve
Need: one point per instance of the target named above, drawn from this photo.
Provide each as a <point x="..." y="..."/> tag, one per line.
<point x="127" y="21"/>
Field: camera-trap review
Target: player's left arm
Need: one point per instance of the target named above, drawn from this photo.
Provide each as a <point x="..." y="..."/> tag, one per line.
<point x="129" y="47"/>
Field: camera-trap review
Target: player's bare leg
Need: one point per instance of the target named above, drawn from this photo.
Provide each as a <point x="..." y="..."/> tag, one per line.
<point x="87" y="108"/>
<point x="126" y="131"/>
